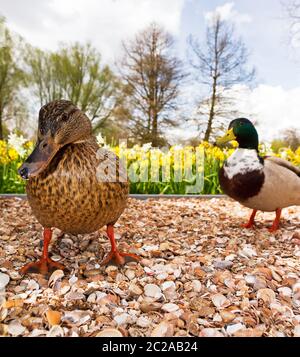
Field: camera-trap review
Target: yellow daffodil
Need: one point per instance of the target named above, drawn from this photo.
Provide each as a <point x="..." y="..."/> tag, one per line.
<point x="151" y="170"/>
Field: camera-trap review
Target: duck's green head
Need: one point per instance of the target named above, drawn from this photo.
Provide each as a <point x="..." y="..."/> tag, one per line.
<point x="242" y="131"/>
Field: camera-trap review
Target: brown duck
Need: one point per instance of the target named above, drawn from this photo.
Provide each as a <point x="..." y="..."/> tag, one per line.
<point x="73" y="184"/>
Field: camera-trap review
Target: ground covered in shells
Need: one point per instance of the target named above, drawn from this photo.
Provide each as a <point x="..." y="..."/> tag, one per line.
<point x="200" y="274"/>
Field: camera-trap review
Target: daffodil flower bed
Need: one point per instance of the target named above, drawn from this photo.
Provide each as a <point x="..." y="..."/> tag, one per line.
<point x="12" y="154"/>
<point x="174" y="170"/>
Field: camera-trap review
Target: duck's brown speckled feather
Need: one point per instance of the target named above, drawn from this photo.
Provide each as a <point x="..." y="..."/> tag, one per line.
<point x="69" y="196"/>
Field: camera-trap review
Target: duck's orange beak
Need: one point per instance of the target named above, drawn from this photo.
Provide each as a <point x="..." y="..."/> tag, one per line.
<point x="40" y="158"/>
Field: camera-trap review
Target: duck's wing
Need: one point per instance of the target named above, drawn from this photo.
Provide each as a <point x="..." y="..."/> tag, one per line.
<point x="283" y="163"/>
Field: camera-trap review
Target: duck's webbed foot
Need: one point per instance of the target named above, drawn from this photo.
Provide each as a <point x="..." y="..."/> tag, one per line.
<point x="42" y="266"/>
<point x="45" y="265"/>
<point x="115" y="256"/>
<point x="119" y="258"/>
<point x="248" y="225"/>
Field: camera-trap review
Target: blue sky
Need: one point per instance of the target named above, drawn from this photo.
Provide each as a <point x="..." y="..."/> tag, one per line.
<point x="274" y="99"/>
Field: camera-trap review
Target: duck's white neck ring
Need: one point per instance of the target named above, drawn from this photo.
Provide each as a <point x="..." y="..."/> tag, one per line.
<point x="241" y="162"/>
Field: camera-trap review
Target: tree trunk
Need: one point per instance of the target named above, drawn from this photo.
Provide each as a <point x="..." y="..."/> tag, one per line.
<point x="214" y="84"/>
<point x="154" y="130"/>
<point x="211" y="112"/>
<point x="1" y="127"/>
<point x="149" y="121"/>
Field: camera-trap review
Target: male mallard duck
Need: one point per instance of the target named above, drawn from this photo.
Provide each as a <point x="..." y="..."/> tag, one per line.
<point x="72" y="184"/>
<point x="260" y="183"/>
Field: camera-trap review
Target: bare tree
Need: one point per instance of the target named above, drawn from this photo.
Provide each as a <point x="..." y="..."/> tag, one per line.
<point x="219" y="63"/>
<point x="289" y="138"/>
<point x="152" y="75"/>
<point x="292" y="8"/>
<point x="292" y="138"/>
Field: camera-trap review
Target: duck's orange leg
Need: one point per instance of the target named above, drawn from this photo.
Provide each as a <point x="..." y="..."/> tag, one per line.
<point x="45" y="265"/>
<point x="276" y="222"/>
<point x="251" y="220"/>
<point x="114" y="256"/>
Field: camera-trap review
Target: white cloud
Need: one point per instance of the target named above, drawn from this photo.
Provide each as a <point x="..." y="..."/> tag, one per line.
<point x="228" y="13"/>
<point x="105" y="23"/>
<point x="272" y="108"/>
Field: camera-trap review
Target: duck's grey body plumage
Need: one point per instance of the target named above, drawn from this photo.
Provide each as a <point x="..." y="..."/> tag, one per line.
<point x="281" y="187"/>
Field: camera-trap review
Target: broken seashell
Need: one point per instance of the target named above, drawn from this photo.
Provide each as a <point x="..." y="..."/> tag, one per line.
<point x="150" y="306"/>
<point x="206" y="311"/>
<point x="76" y="317"/>
<point x="130" y="274"/>
<point x="285" y="291"/>
<point x="55" y="331"/>
<point x="164" y="329"/>
<point x="135" y="290"/>
<point x="250" y="279"/>
<point x="143" y="321"/>
<point x="32" y="285"/>
<point x="232" y="329"/>
<point x="153" y="291"/>
<point x="13" y="303"/>
<point x="109" y="332"/>
<point x="73" y="280"/>
<point x="162" y="276"/>
<point x="267" y="295"/>
<point x="53" y="317"/>
<point x="223" y="264"/>
<point x="297" y="331"/>
<point x="55" y="276"/>
<point x="296" y="288"/>
<point x="260" y="283"/>
<point x="210" y="332"/>
<point x="170" y="307"/>
<point x="220" y="301"/>
<point x="169" y="289"/>
<point x="3" y="313"/>
<point x="15" y="328"/>
<point x="4" y="280"/>
<point x="74" y="295"/>
<point x="197" y="286"/>
<point x="250" y="332"/>
<point x="56" y="258"/>
<point x="123" y="319"/>
<point x="247" y="252"/>
<point x="227" y="316"/>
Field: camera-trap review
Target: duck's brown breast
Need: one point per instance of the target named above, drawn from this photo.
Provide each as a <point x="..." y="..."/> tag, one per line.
<point x="72" y="196"/>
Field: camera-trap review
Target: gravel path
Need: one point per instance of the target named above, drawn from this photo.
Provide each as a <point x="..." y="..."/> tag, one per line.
<point x="200" y="274"/>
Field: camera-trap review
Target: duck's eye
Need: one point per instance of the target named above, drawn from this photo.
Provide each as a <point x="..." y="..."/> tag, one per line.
<point x="44" y="145"/>
<point x="64" y="117"/>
